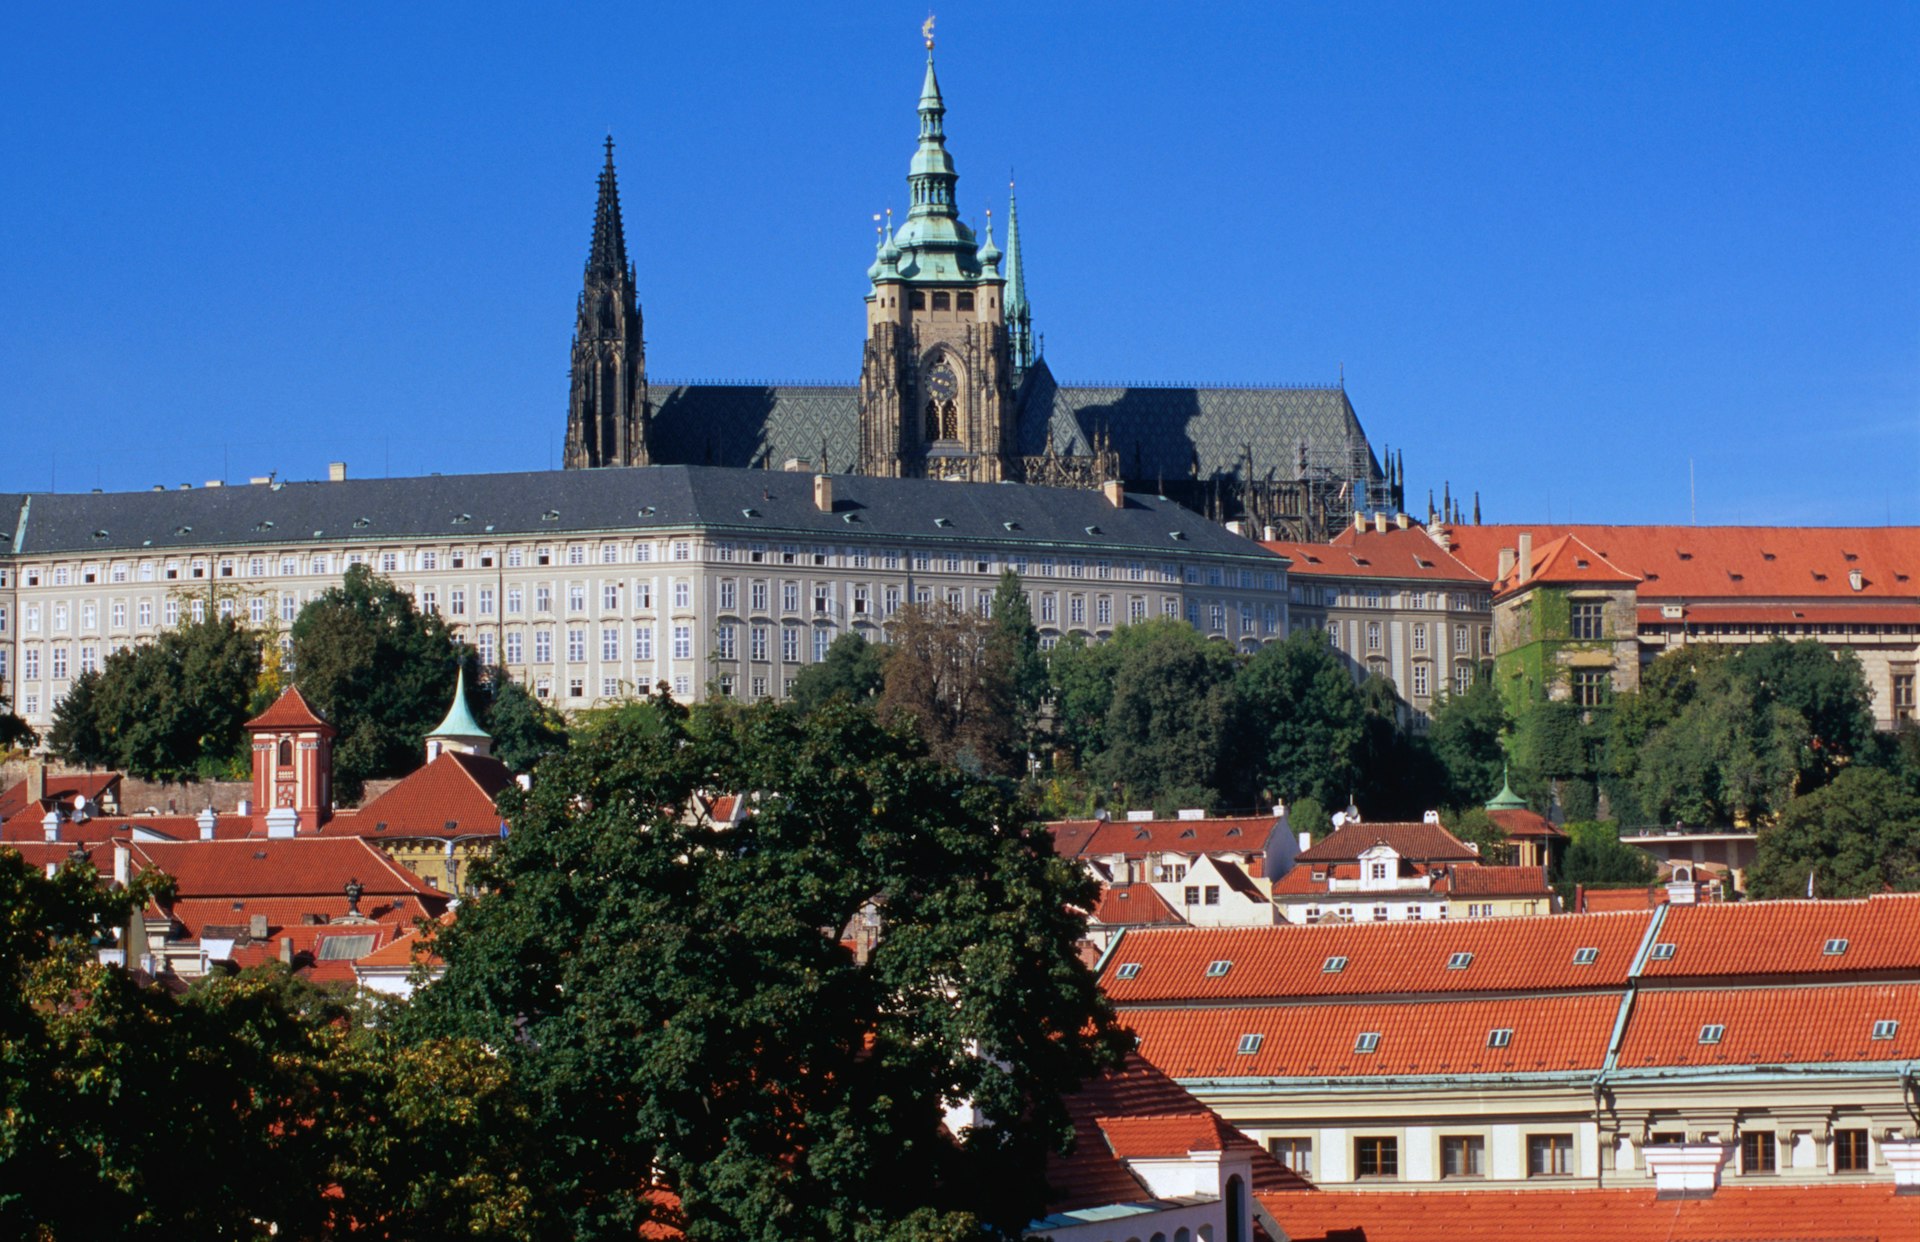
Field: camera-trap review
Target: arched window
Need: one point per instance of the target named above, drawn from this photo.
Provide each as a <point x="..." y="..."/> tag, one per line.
<point x="933" y="420"/>
<point x="285" y="757"/>
<point x="949" y="421"/>
<point x="1236" y="1210"/>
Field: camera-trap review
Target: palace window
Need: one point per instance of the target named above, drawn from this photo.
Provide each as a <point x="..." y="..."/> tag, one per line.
<point x="1295" y="1153"/>
<point x="1759" y="1151"/>
<point x="1549" y="1155"/>
<point x="1850" y="1152"/>
<point x="1588" y="619"/>
<point x="1463" y="1155"/>
<point x="1376" y="1157"/>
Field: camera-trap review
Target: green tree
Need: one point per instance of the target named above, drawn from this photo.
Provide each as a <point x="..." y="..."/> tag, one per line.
<point x="1475" y="826"/>
<point x="15" y="733"/>
<point x="941" y="677"/>
<point x="1857" y="835"/>
<point x="1080" y="685"/>
<point x="1305" y="719"/>
<point x="675" y="1001"/>
<point x="170" y="710"/>
<point x="1173" y="726"/>
<point x="1466" y="736"/>
<point x="1825" y="687"/>
<point x="379" y="671"/>
<point x="1724" y="758"/>
<point x="854" y="667"/>
<point x="524" y="729"/>
<point x="1013" y="648"/>
<point x="1597" y="858"/>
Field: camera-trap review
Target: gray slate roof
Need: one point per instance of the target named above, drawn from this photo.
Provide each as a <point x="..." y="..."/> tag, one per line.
<point x="746" y="504"/>
<point x="1161" y="434"/>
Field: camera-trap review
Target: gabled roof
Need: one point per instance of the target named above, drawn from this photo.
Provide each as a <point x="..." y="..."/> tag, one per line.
<point x="289" y="711"/>
<point x="1785" y="1211"/>
<point x="283" y="914"/>
<point x="1566" y="561"/>
<point x="1881" y="933"/>
<point x="1132" y="905"/>
<point x="286" y="867"/>
<point x="1551" y="1034"/>
<point x="1769" y="1026"/>
<point x="1174" y="1134"/>
<point x="451" y="797"/>
<point x="1415" y="842"/>
<point x="90" y="785"/>
<point x="1093" y="838"/>
<point x="1520" y="954"/>
<point x="1474" y="880"/>
<point x="1523" y="822"/>
<point x="1400" y="555"/>
<point x="1730" y="562"/>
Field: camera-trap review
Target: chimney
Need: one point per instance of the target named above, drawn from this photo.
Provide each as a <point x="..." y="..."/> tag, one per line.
<point x="244" y="807"/>
<point x="257" y="926"/>
<point x="206" y="820"/>
<point x="1526" y="556"/>
<point x="1430" y="817"/>
<point x="1237" y="526"/>
<point x="286" y="950"/>
<point x="1115" y="492"/>
<point x="823" y="493"/>
<point x="1402" y="520"/>
<point x="1379" y="523"/>
<point x="1359" y="520"/>
<point x="36" y="780"/>
<point x="1506" y="564"/>
<point x="1685" y="1170"/>
<point x="1266" y="533"/>
<point x="122" y="863"/>
<point x="795" y="465"/>
<point x="336" y="472"/>
<point x="1856" y="580"/>
<point x="1306" y="840"/>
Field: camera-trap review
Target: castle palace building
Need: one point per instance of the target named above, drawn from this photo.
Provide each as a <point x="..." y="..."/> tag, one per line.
<point x="953" y="386"/>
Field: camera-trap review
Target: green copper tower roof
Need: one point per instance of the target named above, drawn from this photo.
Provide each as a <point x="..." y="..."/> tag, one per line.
<point x="933" y="246"/>
<point x="1019" y="314"/>
<point x="460" y="722"/>
<point x="1506" y="799"/>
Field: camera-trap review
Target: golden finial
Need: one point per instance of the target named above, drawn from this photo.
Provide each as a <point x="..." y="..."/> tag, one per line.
<point x="926" y="31"/>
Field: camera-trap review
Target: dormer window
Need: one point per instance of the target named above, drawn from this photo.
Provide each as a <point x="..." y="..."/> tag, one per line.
<point x="1663" y="951"/>
<point x="1250" y="1044"/>
<point x="1835" y="948"/>
<point x="1218" y="970"/>
<point x="1586" y="956"/>
<point x="1886" y="1028"/>
<point x="1711" y="1032"/>
<point x="1366" y="1042"/>
<point x="1460" y="961"/>
<point x="1499" y="1037"/>
<point x="1333" y="965"/>
<point x="1127" y="970"/>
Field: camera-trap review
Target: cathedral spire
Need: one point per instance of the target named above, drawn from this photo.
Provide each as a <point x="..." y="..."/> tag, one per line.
<point x="607" y="258"/>
<point x="607" y="404"/>
<point x="1019" y="314"/>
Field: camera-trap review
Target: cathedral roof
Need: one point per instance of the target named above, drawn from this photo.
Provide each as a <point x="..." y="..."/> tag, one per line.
<point x="626" y="501"/>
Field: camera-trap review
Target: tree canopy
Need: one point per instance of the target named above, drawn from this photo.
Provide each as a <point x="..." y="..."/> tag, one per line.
<point x="675" y="999"/>
<point x="1306" y="718"/>
<point x="1858" y="834"/>
<point x="524" y="730"/>
<point x="853" y="667"/>
<point x="946" y="676"/>
<point x="380" y="672"/>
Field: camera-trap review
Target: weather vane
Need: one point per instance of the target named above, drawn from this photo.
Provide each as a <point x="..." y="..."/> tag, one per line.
<point x="926" y="31"/>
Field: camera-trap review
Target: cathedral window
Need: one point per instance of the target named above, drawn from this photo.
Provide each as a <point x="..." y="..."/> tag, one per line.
<point x="963" y="301"/>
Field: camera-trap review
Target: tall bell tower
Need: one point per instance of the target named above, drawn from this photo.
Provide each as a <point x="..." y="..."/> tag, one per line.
<point x="936" y="382"/>
<point x="607" y="404"/>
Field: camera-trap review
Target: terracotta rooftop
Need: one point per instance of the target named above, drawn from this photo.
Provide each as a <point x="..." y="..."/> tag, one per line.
<point x="1773" y="1026"/>
<point x="1730" y="562"/>
<point x="1123" y="905"/>
<point x="293" y="867"/>
<point x="1409" y="555"/>
<point x="451" y="797"/>
<point x="1474" y="880"/>
<point x="289" y="711"/>
<point x="1094" y="838"/>
<point x="1864" y="612"/>
<point x="1777" y="1212"/>
<point x="1419" y="842"/>
<point x="1522" y="822"/>
<point x="91" y="785"/>
<point x="1832" y="938"/>
<point x="1522" y="954"/>
<point x="1550" y="1034"/>
<point x="1566" y="560"/>
<point x="1176" y="1134"/>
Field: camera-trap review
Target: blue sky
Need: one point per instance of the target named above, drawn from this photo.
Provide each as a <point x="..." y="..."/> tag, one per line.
<point x="1560" y="251"/>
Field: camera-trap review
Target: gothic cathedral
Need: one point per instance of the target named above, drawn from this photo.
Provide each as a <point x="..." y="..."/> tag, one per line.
<point x="607" y="409"/>
<point x="936" y="381"/>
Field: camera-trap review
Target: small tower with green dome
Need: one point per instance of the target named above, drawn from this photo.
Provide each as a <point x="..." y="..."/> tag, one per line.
<point x="936" y="381"/>
<point x="459" y="733"/>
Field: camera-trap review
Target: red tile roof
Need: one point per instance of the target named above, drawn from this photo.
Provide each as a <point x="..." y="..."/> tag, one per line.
<point x="195" y="914"/>
<point x="1093" y="838"/>
<point x="1521" y="954"/>
<point x="1410" y="555"/>
<point x="91" y="785"/>
<point x="1144" y="1138"/>
<point x="1521" y="822"/>
<point x="1091" y="1175"/>
<point x="1863" y="613"/>
<point x="412" y="948"/>
<point x="1550" y="1034"/>
<point x="1882" y="933"/>
<point x="1599" y="900"/>
<point x="1473" y="880"/>
<point x="291" y="867"/>
<point x="1772" y="1026"/>
<point x="455" y="789"/>
<point x="1777" y="1212"/>
<point x="289" y="711"/>
<point x="1418" y="842"/>
<point x="1127" y="905"/>
<point x="1730" y="562"/>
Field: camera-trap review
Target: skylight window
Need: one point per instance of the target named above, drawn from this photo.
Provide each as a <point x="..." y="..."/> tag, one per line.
<point x="1333" y="965"/>
<point x="1585" y="956"/>
<point x="1218" y="970"/>
<point x="1711" y="1033"/>
<point x="1250" y="1044"/>
<point x="1499" y="1037"/>
<point x="1835" y="947"/>
<point x="1460" y="961"/>
<point x="1886" y="1028"/>
<point x="1127" y="970"/>
<point x="1367" y="1041"/>
<point x="1663" y="951"/>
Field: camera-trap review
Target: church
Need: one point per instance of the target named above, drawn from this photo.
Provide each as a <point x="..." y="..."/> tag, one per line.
<point x="954" y="385"/>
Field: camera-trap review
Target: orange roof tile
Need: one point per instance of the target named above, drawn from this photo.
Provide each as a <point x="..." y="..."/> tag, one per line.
<point x="450" y="797"/>
<point x="1606" y="900"/>
<point x="1093" y="838"/>
<point x="1522" y="822"/>
<point x="1127" y="905"/>
<point x="1777" y="1212"/>
<point x="1882" y="933"/>
<point x="62" y="787"/>
<point x="1772" y="1026"/>
<point x="292" y="867"/>
<point x="413" y="948"/>
<point x="290" y="711"/>
<point x="195" y="914"/>
<point x="1144" y="1138"/>
<point x="1695" y="563"/>
<point x="1473" y="880"/>
<point x="1862" y="613"/>
<point x="1410" y="555"/>
<point x="1521" y="954"/>
<point x="1549" y="1034"/>
<point x="1419" y="842"/>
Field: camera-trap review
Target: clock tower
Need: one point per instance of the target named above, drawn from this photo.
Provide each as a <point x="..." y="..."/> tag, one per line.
<point x="936" y="383"/>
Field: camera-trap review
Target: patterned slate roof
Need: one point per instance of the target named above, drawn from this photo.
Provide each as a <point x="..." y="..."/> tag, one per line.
<point x="754" y="426"/>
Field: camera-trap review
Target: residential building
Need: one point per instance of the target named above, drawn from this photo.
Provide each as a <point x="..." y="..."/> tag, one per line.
<point x="1851" y="587"/>
<point x="591" y="585"/>
<point x="1142" y="847"/>
<point x="1564" y="625"/>
<point x="1775" y="1040"/>
<point x="1368" y="872"/>
<point x="1394" y="605"/>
